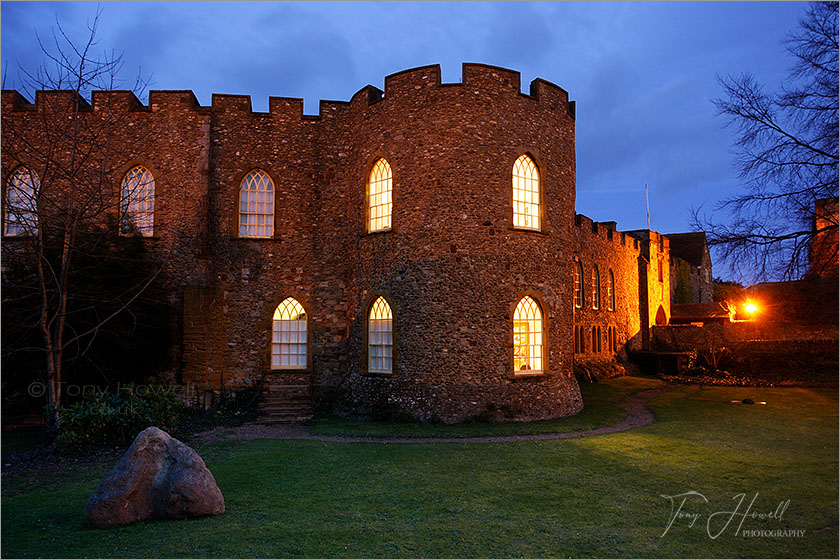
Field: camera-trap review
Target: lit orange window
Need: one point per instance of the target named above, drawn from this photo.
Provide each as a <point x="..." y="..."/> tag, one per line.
<point x="380" y="337"/>
<point x="596" y="288"/>
<point x="138" y="202"/>
<point x="22" y="202"/>
<point x="578" y="285"/>
<point x="526" y="193"/>
<point x="527" y="337"/>
<point x="256" y="205"/>
<point x="379" y="197"/>
<point x="288" y="336"/>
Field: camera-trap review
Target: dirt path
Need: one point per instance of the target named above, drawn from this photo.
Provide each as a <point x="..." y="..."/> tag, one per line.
<point x="638" y="415"/>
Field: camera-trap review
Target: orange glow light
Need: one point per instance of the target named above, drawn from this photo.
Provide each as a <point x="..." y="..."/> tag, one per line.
<point x="750" y="307"/>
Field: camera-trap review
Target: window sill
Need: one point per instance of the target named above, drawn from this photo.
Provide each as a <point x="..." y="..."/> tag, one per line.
<point x="528" y="374"/>
<point x="537" y="232"/>
<point x="377" y="232"/>
<point x="380" y="374"/>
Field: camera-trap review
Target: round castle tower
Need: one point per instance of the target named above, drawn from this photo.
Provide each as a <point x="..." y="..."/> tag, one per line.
<point x="456" y="262"/>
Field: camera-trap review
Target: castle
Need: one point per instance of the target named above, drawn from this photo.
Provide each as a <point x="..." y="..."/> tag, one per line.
<point x="414" y="249"/>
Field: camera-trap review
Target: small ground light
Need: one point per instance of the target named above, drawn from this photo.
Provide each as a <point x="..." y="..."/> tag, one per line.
<point x="750" y="307"/>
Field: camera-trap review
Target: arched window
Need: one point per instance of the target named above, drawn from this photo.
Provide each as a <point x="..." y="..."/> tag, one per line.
<point x="578" y="284"/>
<point x="596" y="288"/>
<point x="526" y="193"/>
<point x="137" y="201"/>
<point x="380" y="337"/>
<point x="379" y="196"/>
<point x="527" y="337"/>
<point x="611" y="291"/>
<point x="256" y="205"/>
<point x="22" y="202"/>
<point x="288" y="336"/>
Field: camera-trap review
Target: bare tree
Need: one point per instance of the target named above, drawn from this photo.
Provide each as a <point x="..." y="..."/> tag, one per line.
<point x="787" y="154"/>
<point x="60" y="205"/>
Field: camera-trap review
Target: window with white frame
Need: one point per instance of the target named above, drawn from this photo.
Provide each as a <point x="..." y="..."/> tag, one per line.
<point x="578" y="284"/>
<point x="380" y="337"/>
<point x="526" y="193"/>
<point x="288" y="336"/>
<point x="611" y="291"/>
<point x="137" y="201"/>
<point x="596" y="288"/>
<point x="256" y="205"/>
<point x="380" y="203"/>
<point x="22" y="202"/>
<point x="527" y="337"/>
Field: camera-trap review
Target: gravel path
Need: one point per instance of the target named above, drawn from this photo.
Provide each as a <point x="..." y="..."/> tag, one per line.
<point x="638" y="415"/>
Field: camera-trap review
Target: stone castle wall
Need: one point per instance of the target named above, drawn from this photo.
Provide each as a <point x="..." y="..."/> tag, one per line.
<point x="452" y="267"/>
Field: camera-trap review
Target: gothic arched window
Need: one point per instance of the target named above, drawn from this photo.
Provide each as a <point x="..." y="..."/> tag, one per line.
<point x="380" y="202"/>
<point x="22" y="202"/>
<point x="527" y="337"/>
<point x="256" y="205"/>
<point x="288" y="336"/>
<point x="596" y="288"/>
<point x="380" y="337"/>
<point x="137" y="201"/>
<point x="526" y="193"/>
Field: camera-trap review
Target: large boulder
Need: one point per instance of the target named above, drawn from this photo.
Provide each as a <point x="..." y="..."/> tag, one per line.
<point x="158" y="477"/>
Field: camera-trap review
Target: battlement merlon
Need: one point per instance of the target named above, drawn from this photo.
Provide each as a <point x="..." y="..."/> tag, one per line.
<point x="14" y="101"/>
<point x="173" y="99"/>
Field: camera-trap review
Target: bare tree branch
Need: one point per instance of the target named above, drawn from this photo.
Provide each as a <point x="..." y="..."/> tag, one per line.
<point x="786" y="152"/>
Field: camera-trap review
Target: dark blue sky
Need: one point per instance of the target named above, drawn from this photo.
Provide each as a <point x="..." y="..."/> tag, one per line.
<point x="642" y="74"/>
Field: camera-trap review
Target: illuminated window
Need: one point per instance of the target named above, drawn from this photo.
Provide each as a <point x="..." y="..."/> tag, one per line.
<point x="659" y="264"/>
<point x="256" y="205"/>
<point x="527" y="337"/>
<point x="22" y="202"/>
<point x="578" y="284"/>
<point x="611" y="291"/>
<point x="380" y="337"/>
<point x="379" y="197"/>
<point x="526" y="193"/>
<point x="596" y="288"/>
<point x="137" y="202"/>
<point x="288" y="336"/>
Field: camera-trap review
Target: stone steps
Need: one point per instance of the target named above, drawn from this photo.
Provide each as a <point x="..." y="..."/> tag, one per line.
<point x="286" y="398"/>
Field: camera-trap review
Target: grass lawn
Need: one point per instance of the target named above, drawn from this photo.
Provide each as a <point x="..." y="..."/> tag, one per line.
<point x="595" y="496"/>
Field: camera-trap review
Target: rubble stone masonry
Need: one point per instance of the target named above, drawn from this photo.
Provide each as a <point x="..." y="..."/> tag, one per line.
<point x="452" y="267"/>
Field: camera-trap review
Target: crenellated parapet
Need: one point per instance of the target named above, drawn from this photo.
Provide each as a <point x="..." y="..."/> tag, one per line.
<point x="121" y="101"/>
<point x="605" y="231"/>
<point x="400" y="87"/>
